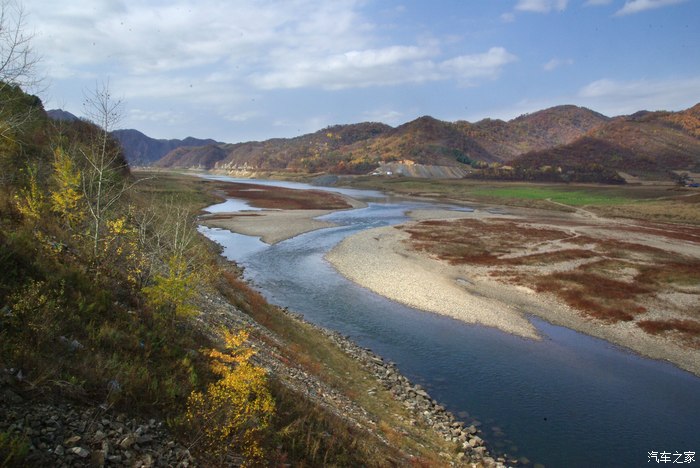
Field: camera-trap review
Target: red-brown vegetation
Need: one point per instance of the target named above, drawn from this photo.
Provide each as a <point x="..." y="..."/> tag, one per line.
<point x="685" y="329"/>
<point x="614" y="281"/>
<point x="263" y="196"/>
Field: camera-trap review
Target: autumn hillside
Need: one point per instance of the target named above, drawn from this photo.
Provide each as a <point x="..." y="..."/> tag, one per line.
<point x="532" y="132"/>
<point x="560" y="144"/>
<point x="359" y="148"/>
<point x="643" y="144"/>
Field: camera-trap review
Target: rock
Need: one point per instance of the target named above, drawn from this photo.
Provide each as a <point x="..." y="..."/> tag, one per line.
<point x="72" y="440"/>
<point x="98" y="458"/>
<point x="128" y="441"/>
<point x="475" y="441"/>
<point x="59" y="450"/>
<point x="79" y="451"/>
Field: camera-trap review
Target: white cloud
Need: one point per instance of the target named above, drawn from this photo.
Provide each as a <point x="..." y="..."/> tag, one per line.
<point x="466" y="68"/>
<point x="541" y="6"/>
<point x="611" y="98"/>
<point x="382" y="67"/>
<point x="243" y="116"/>
<point x="141" y="115"/>
<point x="636" y="6"/>
<point x="623" y="97"/>
<point x="556" y="63"/>
<point x="175" y="48"/>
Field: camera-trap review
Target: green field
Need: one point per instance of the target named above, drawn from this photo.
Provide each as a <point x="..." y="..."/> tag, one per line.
<point x="564" y="196"/>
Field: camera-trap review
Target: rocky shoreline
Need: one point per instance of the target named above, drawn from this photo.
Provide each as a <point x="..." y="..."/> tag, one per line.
<point x="417" y="401"/>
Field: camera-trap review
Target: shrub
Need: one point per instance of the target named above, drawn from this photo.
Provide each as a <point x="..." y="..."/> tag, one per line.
<point x="235" y="411"/>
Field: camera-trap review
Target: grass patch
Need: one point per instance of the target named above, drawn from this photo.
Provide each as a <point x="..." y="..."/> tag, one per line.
<point x="613" y="281"/>
<point x="564" y="196"/>
<point x="647" y="202"/>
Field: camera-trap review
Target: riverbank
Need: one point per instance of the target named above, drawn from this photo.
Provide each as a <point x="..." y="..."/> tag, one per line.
<point x="606" y="278"/>
<point x="279" y="213"/>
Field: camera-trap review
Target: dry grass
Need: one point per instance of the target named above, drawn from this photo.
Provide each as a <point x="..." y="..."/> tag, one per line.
<point x="606" y="279"/>
<point x="597" y="296"/>
<point x="686" y="330"/>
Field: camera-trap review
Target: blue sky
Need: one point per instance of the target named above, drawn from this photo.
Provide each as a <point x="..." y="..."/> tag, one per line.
<point x="256" y="69"/>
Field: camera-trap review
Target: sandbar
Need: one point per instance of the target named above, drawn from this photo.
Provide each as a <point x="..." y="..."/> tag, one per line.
<point x="271" y="226"/>
<point x="382" y="261"/>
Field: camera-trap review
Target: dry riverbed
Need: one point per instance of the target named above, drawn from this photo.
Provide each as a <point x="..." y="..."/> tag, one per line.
<point x="633" y="283"/>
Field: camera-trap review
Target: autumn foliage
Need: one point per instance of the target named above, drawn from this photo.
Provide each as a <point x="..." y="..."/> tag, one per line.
<point x="235" y="411"/>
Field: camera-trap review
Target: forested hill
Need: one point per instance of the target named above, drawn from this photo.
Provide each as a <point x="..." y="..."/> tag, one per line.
<point x="560" y="143"/>
<point x="645" y="143"/>
<point x="360" y="148"/>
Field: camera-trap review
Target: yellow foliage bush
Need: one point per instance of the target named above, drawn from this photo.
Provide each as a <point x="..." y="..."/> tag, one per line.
<point x="66" y="198"/>
<point x="30" y="200"/>
<point x="235" y="411"/>
<point x="173" y="292"/>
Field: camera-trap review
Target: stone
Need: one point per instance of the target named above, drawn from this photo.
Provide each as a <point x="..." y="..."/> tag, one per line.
<point x="98" y="458"/>
<point x="128" y="441"/>
<point x="72" y="440"/>
<point x="80" y="451"/>
<point x="59" y="450"/>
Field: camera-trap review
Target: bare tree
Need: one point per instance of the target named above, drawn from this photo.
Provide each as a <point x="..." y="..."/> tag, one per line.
<point x="18" y="63"/>
<point x="17" y="58"/>
<point x="103" y="181"/>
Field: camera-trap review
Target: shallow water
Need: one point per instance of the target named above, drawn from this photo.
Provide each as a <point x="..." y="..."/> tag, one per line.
<point x="567" y="400"/>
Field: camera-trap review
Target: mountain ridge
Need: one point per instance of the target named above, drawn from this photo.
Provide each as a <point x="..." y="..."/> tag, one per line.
<point x="567" y="138"/>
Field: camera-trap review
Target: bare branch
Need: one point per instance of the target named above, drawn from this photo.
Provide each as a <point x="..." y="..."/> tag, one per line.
<point x="17" y="58"/>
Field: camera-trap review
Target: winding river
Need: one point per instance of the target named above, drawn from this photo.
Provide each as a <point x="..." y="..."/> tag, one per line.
<point x="568" y="400"/>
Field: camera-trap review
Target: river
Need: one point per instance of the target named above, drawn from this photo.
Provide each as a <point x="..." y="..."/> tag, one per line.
<point x="567" y="400"/>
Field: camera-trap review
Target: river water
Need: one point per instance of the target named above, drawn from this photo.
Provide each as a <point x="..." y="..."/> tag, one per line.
<point x="568" y="400"/>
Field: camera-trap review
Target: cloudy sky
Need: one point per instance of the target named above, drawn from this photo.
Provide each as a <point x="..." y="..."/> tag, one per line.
<point x="239" y="70"/>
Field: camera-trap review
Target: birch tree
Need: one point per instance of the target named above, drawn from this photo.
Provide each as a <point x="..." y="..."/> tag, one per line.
<point x="103" y="180"/>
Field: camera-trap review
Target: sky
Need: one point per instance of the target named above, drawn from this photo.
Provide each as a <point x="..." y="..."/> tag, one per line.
<point x="242" y="70"/>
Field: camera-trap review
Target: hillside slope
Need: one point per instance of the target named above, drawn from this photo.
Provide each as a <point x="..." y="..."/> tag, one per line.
<point x="533" y="132"/>
<point x="360" y="148"/>
<point x="572" y="140"/>
<point x="643" y="144"/>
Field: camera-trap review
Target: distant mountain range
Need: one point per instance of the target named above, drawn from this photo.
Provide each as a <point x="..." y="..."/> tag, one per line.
<point x="560" y="143"/>
<point x="139" y="149"/>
